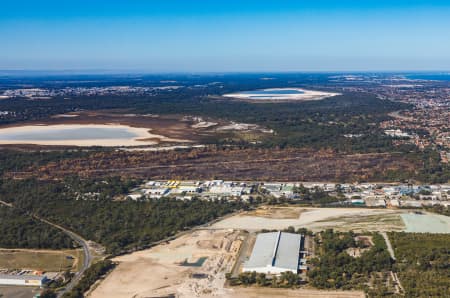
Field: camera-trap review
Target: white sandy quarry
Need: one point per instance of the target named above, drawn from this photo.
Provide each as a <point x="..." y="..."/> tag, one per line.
<point x="304" y="96"/>
<point x="142" y="136"/>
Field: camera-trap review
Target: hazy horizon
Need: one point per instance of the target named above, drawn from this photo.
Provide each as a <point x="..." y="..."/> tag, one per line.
<point x="225" y="36"/>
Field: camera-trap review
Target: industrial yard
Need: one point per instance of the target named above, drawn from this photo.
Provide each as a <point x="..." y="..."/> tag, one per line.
<point x="193" y="265"/>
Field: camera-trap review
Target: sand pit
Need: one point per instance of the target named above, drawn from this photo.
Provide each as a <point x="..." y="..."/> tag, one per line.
<point x="281" y="95"/>
<point x="157" y="272"/>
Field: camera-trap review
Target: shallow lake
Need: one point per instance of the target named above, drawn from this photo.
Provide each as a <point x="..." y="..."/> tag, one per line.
<point x="53" y="133"/>
<point x="268" y="92"/>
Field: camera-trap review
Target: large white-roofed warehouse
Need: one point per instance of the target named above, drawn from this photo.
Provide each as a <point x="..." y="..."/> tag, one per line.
<point x="22" y="280"/>
<point x="274" y="253"/>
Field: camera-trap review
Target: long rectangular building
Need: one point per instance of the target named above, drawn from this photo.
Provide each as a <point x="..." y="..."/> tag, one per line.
<point x="22" y="280"/>
<point x="274" y="253"/>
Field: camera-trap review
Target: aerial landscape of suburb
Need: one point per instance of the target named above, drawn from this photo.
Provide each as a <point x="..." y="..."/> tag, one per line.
<point x="196" y="149"/>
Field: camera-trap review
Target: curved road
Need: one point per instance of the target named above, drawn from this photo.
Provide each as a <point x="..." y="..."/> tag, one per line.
<point x="87" y="260"/>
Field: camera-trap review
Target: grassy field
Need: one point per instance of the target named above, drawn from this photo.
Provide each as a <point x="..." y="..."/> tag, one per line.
<point x="45" y="260"/>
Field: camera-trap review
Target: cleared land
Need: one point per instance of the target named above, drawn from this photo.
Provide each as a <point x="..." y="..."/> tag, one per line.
<point x="170" y="269"/>
<point x="159" y="271"/>
<point x="426" y="223"/>
<point x="316" y="219"/>
<point x="41" y="260"/>
<point x="195" y="264"/>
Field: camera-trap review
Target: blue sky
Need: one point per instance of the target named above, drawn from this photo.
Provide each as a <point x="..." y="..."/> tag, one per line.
<point x="219" y="36"/>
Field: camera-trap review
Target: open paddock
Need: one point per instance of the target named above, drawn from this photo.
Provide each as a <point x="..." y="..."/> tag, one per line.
<point x="41" y="260"/>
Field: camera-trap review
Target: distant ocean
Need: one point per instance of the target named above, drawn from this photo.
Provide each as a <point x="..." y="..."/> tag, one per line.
<point x="434" y="77"/>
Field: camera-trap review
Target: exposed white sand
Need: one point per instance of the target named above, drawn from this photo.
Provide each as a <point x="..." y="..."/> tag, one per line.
<point x="142" y="136"/>
<point x="304" y="96"/>
<point x="156" y="272"/>
<point x="311" y="218"/>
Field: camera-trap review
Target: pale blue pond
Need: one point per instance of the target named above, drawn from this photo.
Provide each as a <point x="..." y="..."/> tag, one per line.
<point x="67" y="133"/>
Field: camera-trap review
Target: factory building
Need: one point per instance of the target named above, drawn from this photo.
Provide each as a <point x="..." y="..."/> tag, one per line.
<point x="274" y="253"/>
<point x="22" y="280"/>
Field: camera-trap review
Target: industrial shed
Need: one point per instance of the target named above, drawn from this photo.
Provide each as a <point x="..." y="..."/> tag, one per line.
<point x="274" y="253"/>
<point x="22" y="280"/>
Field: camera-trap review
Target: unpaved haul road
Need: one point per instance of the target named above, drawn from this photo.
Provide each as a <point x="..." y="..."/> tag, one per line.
<point x="388" y="244"/>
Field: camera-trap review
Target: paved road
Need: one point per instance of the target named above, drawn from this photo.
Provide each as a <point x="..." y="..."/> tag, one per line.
<point x="87" y="260"/>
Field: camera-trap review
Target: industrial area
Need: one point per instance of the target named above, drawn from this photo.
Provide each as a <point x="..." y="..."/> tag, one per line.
<point x="385" y="195"/>
<point x="203" y="262"/>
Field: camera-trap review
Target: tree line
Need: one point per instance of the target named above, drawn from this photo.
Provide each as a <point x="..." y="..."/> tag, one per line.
<point x="118" y="225"/>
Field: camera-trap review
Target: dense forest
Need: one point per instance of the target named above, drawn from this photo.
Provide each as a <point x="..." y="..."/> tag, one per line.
<point x="423" y="263"/>
<point x="119" y="226"/>
<point x="19" y="230"/>
<point x="15" y="160"/>
<point x="334" y="268"/>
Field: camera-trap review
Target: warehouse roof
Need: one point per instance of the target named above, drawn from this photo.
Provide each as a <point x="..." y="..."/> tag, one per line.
<point x="276" y="249"/>
<point x="22" y="277"/>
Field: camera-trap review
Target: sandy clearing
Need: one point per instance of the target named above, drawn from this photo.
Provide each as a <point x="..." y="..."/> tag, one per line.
<point x="157" y="272"/>
<point x="143" y="135"/>
<point x="426" y="223"/>
<point x="311" y="218"/>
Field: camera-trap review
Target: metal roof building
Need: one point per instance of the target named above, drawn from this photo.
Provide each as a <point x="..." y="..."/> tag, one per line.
<point x="274" y="253"/>
<point x="22" y="280"/>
